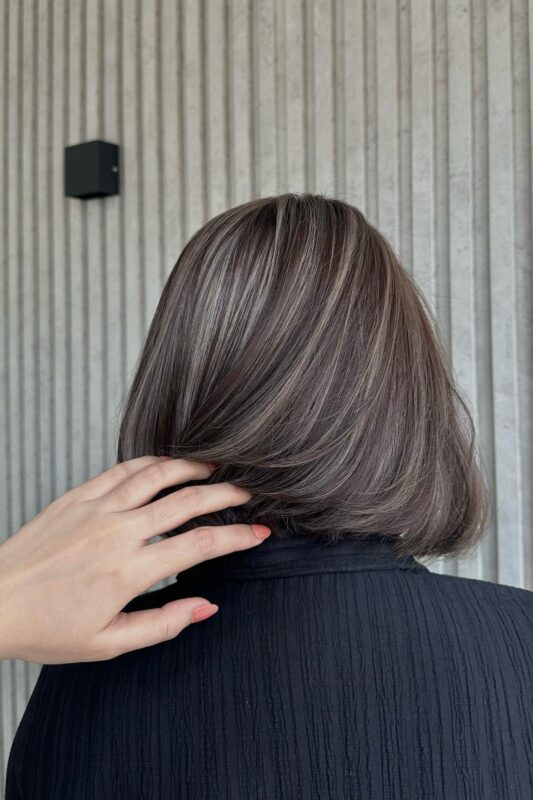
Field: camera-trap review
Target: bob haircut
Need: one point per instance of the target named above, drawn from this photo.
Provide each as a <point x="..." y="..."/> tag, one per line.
<point x="291" y="348"/>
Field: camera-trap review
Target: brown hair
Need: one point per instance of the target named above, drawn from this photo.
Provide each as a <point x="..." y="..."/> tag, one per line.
<point x="290" y="347"/>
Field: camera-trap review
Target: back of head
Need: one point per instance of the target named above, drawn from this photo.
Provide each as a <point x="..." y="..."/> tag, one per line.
<point x="290" y="347"/>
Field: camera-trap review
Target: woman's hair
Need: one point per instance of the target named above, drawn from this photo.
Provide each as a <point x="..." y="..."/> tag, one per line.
<point x="291" y="348"/>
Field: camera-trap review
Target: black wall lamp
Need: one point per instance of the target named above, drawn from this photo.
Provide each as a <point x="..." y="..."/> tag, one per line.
<point x="91" y="170"/>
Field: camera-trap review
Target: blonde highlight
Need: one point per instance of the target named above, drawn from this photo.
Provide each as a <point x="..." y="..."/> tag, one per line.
<point x="291" y="347"/>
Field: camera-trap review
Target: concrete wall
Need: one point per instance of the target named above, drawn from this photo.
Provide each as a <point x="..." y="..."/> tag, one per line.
<point x="418" y="112"/>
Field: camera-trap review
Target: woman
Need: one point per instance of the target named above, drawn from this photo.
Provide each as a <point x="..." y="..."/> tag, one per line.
<point x="292" y="349"/>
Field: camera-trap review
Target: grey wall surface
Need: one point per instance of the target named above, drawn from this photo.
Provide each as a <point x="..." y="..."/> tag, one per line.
<point x="418" y="112"/>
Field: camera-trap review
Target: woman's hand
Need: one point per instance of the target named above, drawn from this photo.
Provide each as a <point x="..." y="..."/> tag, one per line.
<point x="66" y="575"/>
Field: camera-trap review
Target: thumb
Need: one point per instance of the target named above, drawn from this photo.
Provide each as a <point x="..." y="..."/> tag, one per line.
<point x="134" y="629"/>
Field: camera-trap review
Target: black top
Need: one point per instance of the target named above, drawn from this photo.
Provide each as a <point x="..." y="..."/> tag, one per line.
<point x="330" y="672"/>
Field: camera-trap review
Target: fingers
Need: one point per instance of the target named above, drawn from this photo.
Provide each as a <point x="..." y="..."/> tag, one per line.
<point x="135" y="629"/>
<point x="170" y="556"/>
<point x="112" y="477"/>
<point x="183" y="505"/>
<point x="139" y="487"/>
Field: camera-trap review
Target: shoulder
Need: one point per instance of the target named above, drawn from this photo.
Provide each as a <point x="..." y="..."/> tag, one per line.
<point x="499" y="593"/>
<point x="485" y="605"/>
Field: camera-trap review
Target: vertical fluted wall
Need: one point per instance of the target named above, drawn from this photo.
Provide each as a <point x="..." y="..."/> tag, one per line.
<point x="417" y="111"/>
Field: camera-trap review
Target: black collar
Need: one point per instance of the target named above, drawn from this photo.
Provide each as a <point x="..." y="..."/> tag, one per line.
<point x="298" y="555"/>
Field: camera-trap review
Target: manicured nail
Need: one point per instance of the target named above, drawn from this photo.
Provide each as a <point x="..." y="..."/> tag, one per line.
<point x="261" y="531"/>
<point x="203" y="612"/>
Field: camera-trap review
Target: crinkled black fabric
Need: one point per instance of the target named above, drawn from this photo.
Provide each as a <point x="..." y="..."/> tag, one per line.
<point x="330" y="672"/>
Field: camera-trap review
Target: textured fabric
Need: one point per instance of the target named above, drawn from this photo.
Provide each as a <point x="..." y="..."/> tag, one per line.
<point x="331" y="672"/>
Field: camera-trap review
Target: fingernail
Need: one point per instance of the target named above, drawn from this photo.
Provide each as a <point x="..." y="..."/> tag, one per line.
<point x="261" y="531"/>
<point x="203" y="612"/>
<point x="212" y="465"/>
<point x="165" y="458"/>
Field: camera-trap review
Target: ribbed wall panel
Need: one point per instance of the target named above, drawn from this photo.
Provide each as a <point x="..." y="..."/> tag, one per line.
<point x="418" y="112"/>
